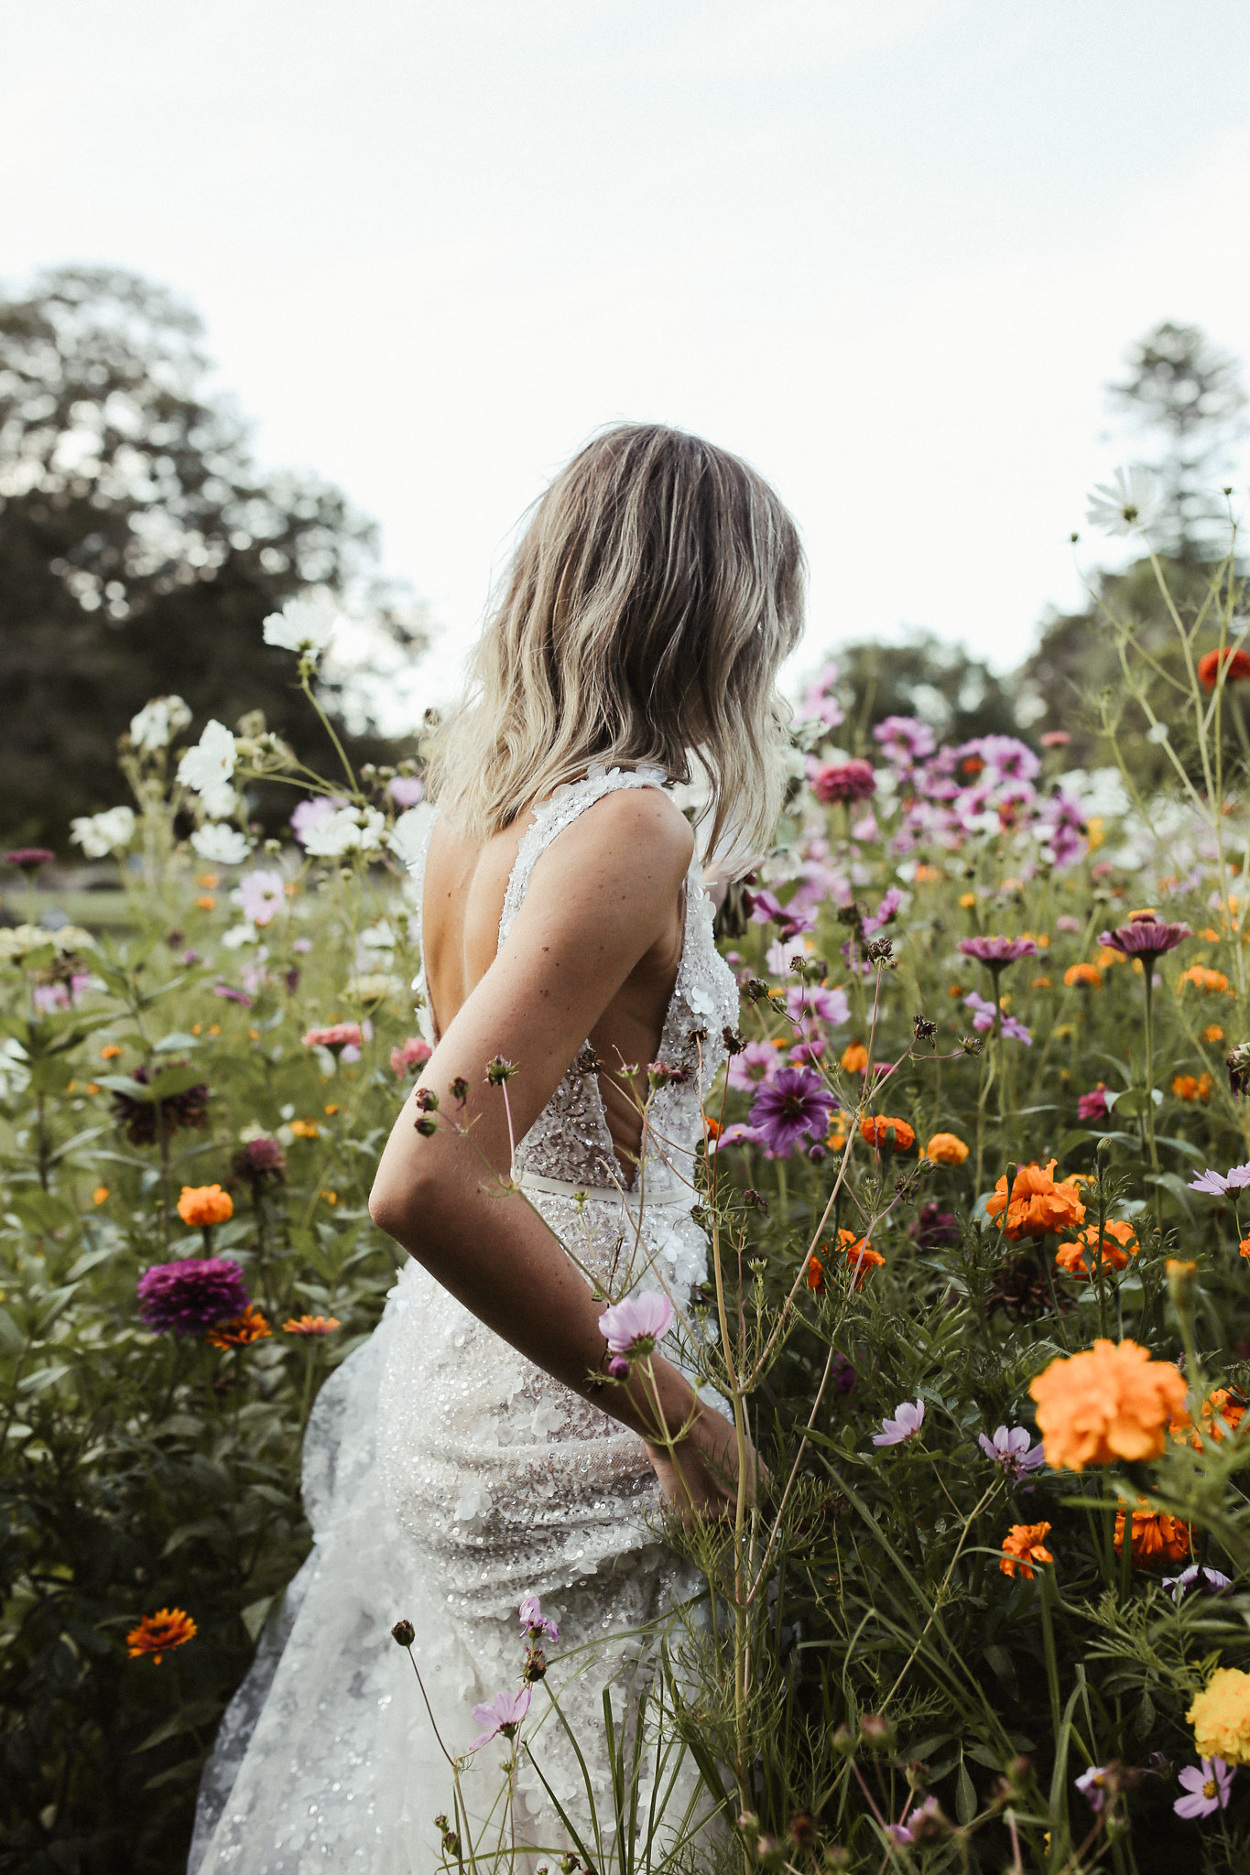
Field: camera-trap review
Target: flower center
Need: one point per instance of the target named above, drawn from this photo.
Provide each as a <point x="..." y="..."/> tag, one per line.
<point x="1208" y="1789"/>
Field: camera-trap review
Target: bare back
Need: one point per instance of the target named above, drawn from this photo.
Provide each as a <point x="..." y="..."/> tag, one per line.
<point x="465" y="884"/>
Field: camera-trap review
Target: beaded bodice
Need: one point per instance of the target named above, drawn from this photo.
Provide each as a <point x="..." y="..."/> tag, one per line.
<point x="570" y="1139"/>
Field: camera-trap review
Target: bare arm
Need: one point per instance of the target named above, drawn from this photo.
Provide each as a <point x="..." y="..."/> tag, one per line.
<point x="600" y="898"/>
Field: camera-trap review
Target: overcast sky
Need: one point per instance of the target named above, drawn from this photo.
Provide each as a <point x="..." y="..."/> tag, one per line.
<point x="889" y="250"/>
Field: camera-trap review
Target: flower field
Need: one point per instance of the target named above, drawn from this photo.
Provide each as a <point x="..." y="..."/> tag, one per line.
<point x="980" y="1265"/>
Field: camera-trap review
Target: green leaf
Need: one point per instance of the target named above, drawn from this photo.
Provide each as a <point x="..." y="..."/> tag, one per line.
<point x="965" y="1795"/>
<point x="12" y="1340"/>
<point x="255" y="1615"/>
<point x="178" y="1040"/>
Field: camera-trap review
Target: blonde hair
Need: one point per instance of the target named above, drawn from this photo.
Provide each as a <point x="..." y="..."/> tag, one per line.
<point x="641" y="621"/>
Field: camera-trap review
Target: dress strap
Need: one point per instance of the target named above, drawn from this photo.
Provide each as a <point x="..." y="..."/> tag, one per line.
<point x="551" y="817"/>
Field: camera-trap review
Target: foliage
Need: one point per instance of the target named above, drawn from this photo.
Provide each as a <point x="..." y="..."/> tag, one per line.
<point x="958" y="695"/>
<point x="140" y="547"/>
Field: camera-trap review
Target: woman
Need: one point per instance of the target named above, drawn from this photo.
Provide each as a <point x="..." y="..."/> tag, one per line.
<point x="474" y="1453"/>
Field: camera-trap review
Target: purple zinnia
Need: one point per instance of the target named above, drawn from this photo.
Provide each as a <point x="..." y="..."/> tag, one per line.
<point x="192" y="1295"/>
<point x="260" y="1162"/>
<point x="1145" y="936"/>
<point x="29" y="858"/>
<point x="934" y="1228"/>
<point x="843" y="781"/>
<point x="795" y="1105"/>
<point x="138" y="1115"/>
<point x="996" y="952"/>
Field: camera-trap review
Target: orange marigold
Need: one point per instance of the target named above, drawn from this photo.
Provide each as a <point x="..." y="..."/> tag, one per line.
<point x="1213" y="1033"/>
<point x="1119" y="1243"/>
<point x="860" y="1256"/>
<point x="100" y="1194"/>
<point x="311" y="1325"/>
<point x="110" y="1051"/>
<point x="880" y="1130"/>
<point x="1038" y="1204"/>
<point x="1082" y="976"/>
<point x="241" y="1330"/>
<point x="946" y="1149"/>
<point x="1222" y="1413"/>
<point x="1022" y="1547"/>
<point x="1112" y="1401"/>
<point x="854" y="1058"/>
<point x="1193" y="1087"/>
<point x="305" y="1129"/>
<point x="1208" y="981"/>
<point x="160" y="1633"/>
<point x="205" y="1204"/>
<point x="1155" y="1537"/>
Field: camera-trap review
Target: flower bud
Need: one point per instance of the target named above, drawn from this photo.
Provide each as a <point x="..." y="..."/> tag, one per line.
<point x="876" y="1732"/>
<point x="404" y="1634"/>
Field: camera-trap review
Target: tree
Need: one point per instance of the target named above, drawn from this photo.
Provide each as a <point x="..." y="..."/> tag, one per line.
<point x="1187" y="395"/>
<point x="140" y="547"/>
<point x="958" y="695"/>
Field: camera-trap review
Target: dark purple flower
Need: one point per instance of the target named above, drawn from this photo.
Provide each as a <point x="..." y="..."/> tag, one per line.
<point x="793" y="1106"/>
<point x="192" y="1295"/>
<point x="232" y="996"/>
<point x="843" y="781"/>
<point x="259" y="1163"/>
<point x="138" y="1114"/>
<point x="996" y="952"/>
<point x="1203" y="1582"/>
<point x="29" y="858"/>
<point x="934" y="1227"/>
<point x="1093" y="1106"/>
<point x="842" y="1375"/>
<point x="1145" y="936"/>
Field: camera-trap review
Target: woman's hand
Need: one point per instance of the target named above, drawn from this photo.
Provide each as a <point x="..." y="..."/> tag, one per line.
<point x="699" y="1474"/>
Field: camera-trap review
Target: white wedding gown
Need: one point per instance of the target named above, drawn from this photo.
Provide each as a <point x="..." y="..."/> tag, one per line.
<point x="446" y="1477"/>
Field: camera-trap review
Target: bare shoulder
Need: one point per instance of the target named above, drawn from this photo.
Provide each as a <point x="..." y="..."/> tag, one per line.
<point x="630" y="850"/>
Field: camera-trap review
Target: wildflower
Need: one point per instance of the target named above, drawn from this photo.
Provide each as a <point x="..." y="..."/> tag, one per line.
<point x="101" y="834"/>
<point x="983" y="1013"/>
<point x="338" y="1036"/>
<point x="794" y="1106"/>
<point x="233" y="996"/>
<point x="1022" y="1289"/>
<point x="29" y="858"/>
<point x="1235" y="664"/>
<point x="814" y="1002"/>
<point x="934" y="1227"/>
<point x="260" y="1162"/>
<point x="1023" y="1547"/>
<point x="1082" y="977"/>
<point x="753" y="1063"/>
<point x="1093" y="1106"/>
<point x="1238" y="1064"/>
<point x="844" y="781"/>
<point x="766" y="908"/>
<point x="403" y="1634"/>
<point x="1193" y="1088"/>
<point x="262" y="896"/>
<point x="1119" y="1243"/>
<point x="1210" y="982"/>
<point x="160" y="1633"/>
<point x="192" y="1295"/>
<point x="535" y="1625"/>
<point x="210" y="764"/>
<point x="100" y="1194"/>
<point x="906" y="1423"/>
<point x="305" y="1129"/>
<point x="905" y="739"/>
<point x="881" y="1131"/>
<point x="1221" y="1413"/>
<point x="205" y="1204"/>
<point x="311" y="1325"/>
<point x="405" y="790"/>
<point x="1155" y="1537"/>
<point x="222" y="844"/>
<point x="411" y="1054"/>
<point x="1207" y="1785"/>
<point x="636" y="1324"/>
<point x="157" y="723"/>
<point x="305" y="626"/>
<point x="1131" y="500"/>
<point x="1013" y="1449"/>
<point x="1038" y="1205"/>
<point x="946" y="1149"/>
<point x="1218" y="1183"/>
<point x="1220" y="1716"/>
<point x="241" y="1330"/>
<point x="501" y="1717"/>
<point x="1145" y="936"/>
<point x="1202" y="1580"/>
<point x="1095" y="1785"/>
<point x="997" y="952"/>
<point x="140" y="1115"/>
<point x="345" y="830"/>
<point x="1112" y="1401"/>
<point x="860" y="1256"/>
<point x="854" y="1058"/>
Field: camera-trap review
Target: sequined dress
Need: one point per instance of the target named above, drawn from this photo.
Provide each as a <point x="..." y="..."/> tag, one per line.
<point x="446" y="1477"/>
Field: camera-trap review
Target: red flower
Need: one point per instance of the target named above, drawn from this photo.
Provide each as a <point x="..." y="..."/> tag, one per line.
<point x="1236" y="664"/>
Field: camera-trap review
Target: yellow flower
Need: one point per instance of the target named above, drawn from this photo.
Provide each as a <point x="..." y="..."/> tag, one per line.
<point x="1220" y="1716"/>
<point x="160" y="1633"/>
<point x="305" y="1129"/>
<point x="1110" y="1402"/>
<point x="967" y="900"/>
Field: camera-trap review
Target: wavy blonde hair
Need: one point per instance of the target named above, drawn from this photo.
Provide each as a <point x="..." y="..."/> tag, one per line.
<point x="655" y="591"/>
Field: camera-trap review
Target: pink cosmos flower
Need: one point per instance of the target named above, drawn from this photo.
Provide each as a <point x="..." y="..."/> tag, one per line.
<point x="814" y="1001"/>
<point x="1217" y="1183"/>
<point x="886" y="912"/>
<point x="758" y="1061"/>
<point x="794" y="1106"/>
<point x="816" y="702"/>
<point x="1092" y="1785"/>
<point x="502" y="1717"/>
<point x="1145" y="936"/>
<point x="534" y="1624"/>
<point x="634" y="1325"/>
<point x="983" y="1021"/>
<point x="1207" y="1788"/>
<point x="843" y="781"/>
<point x="997" y="951"/>
<point x="411" y="1054"/>
<point x="766" y="908"/>
<point x="306" y="814"/>
<point x="262" y="896"/>
<point x="906" y="1423"/>
<point x="405" y="790"/>
<point x="232" y="996"/>
<point x="1012" y="1448"/>
<point x="341" y="1035"/>
<point x="1067" y="923"/>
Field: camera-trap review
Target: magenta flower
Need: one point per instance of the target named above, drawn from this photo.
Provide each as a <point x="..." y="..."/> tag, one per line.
<point x="843" y="781"/>
<point x="933" y="1228"/>
<point x="983" y="1021"/>
<point x="192" y="1295"/>
<point x="29" y="858"/>
<point x="886" y="912"/>
<point x="232" y="996"/>
<point x="502" y="1717"/>
<point x="260" y="1162"/>
<point x="906" y="1423"/>
<point x="904" y="739"/>
<point x="1092" y="1785"/>
<point x="1012" y="1448"/>
<point x="634" y="1325"/>
<point x="997" y="952"/>
<point x="816" y="701"/>
<point x="1145" y="936"/>
<point x="1207" y="1788"/>
<point x="412" y="1053"/>
<point x="1217" y="1183"/>
<point x="534" y="1624"/>
<point x="405" y="790"/>
<point x="766" y="908"/>
<point x="262" y="896"/>
<point x="794" y="1106"/>
<point x="1093" y="1106"/>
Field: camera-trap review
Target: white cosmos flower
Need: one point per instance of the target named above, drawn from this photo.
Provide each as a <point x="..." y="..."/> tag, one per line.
<point x="220" y="802"/>
<point x="220" y="845"/>
<point x="101" y="834"/>
<point x="1128" y="502"/>
<point x="347" y="830"/>
<point x="210" y="762"/>
<point x="405" y="837"/>
<point x="303" y="624"/>
<point x="158" y="722"/>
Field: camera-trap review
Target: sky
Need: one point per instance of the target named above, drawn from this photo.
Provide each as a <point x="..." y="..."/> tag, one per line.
<point x="891" y="251"/>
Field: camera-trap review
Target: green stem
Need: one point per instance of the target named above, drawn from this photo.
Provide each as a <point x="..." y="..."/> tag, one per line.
<point x="1148" y="966"/>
